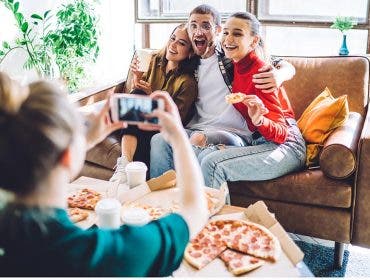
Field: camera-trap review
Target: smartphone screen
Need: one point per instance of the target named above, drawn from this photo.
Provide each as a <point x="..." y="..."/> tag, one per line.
<point x="137" y="109"/>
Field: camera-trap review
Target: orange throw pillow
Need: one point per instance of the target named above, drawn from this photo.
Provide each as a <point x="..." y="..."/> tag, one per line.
<point x="322" y="116"/>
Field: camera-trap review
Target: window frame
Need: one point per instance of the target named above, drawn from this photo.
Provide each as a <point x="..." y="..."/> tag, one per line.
<point x="172" y="19"/>
<point x="252" y="7"/>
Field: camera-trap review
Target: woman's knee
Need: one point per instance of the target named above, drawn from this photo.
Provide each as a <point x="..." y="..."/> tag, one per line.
<point x="157" y="141"/>
<point x="198" y="139"/>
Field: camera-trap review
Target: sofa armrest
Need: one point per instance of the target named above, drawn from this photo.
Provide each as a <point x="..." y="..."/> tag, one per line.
<point x="361" y="209"/>
<point x="338" y="156"/>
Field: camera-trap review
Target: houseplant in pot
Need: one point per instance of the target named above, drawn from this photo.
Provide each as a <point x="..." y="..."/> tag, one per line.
<point x="343" y="24"/>
<point x="62" y="44"/>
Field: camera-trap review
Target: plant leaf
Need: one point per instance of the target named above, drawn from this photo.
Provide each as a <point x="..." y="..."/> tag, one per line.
<point x="16" y="7"/>
<point x="19" y="17"/>
<point x="46" y="13"/>
<point x="6" y="45"/>
<point x="36" y="16"/>
<point x="24" y="27"/>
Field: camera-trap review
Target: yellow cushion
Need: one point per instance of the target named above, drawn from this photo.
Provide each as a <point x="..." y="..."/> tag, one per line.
<point x="322" y="116"/>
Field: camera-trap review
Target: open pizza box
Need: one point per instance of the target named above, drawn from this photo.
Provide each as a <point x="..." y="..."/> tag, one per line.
<point x="286" y="265"/>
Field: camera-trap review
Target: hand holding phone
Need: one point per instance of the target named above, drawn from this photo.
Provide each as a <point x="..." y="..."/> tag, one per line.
<point x="134" y="109"/>
<point x="169" y="119"/>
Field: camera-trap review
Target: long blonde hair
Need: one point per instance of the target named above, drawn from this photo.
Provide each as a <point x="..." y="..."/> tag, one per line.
<point x="35" y="129"/>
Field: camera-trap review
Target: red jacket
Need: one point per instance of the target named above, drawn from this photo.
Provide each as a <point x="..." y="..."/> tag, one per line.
<point x="274" y="126"/>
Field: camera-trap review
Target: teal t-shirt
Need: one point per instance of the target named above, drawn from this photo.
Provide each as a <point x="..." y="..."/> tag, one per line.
<point x="36" y="242"/>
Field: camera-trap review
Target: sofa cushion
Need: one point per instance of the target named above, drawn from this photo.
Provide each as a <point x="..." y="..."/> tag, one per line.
<point x="322" y="116"/>
<point x="106" y="152"/>
<point x="338" y="156"/>
<point x="309" y="187"/>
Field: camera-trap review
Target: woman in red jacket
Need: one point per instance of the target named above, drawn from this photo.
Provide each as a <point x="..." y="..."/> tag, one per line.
<point x="274" y="144"/>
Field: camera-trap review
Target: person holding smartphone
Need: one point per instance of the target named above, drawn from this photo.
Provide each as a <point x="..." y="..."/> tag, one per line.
<point x="171" y="70"/>
<point x="42" y="147"/>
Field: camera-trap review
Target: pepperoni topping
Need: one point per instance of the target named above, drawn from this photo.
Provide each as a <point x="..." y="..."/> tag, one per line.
<point x="206" y="250"/>
<point x="253" y="261"/>
<point x="255" y="246"/>
<point x="238" y="264"/>
<point x="196" y="255"/>
<point x="226" y="232"/>
<point x="196" y="247"/>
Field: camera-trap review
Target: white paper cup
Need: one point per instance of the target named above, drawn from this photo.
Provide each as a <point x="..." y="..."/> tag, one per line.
<point x="108" y="212"/>
<point x="136" y="173"/>
<point x="135" y="217"/>
<point x="144" y="56"/>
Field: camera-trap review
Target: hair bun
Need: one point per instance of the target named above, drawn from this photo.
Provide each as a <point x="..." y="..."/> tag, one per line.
<point x="12" y="94"/>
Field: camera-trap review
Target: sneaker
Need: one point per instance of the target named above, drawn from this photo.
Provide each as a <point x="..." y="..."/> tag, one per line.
<point x="120" y="173"/>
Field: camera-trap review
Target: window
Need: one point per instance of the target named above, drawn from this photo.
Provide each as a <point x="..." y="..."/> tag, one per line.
<point x="175" y="10"/>
<point x="312" y="10"/>
<point x="290" y="27"/>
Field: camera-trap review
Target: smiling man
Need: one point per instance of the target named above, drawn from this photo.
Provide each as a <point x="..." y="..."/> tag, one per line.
<point x="215" y="76"/>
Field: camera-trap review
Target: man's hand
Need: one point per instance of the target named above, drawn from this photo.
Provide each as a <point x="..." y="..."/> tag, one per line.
<point x="256" y="109"/>
<point x="268" y="80"/>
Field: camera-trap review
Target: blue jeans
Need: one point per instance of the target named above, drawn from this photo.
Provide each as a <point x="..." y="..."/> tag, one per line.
<point x="260" y="160"/>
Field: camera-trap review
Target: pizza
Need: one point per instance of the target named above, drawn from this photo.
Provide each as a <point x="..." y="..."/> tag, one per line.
<point x="155" y="212"/>
<point x="84" y="198"/>
<point x="239" y="263"/>
<point x="233" y="98"/>
<point x="248" y="239"/>
<point x="216" y="199"/>
<point x="77" y="215"/>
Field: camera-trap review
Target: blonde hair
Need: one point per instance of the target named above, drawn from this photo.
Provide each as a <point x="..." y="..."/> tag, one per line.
<point x="11" y="94"/>
<point x="35" y="129"/>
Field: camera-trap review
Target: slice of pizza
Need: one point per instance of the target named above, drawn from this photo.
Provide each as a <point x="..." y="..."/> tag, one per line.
<point x="77" y="215"/>
<point x="254" y="239"/>
<point x="84" y="198"/>
<point x="155" y="212"/>
<point x="236" y="97"/>
<point x="238" y="263"/>
<point x="203" y="249"/>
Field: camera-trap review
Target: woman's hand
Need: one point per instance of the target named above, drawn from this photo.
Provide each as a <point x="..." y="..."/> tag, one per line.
<point x="268" y="80"/>
<point x="169" y="119"/>
<point x="100" y="125"/>
<point x="144" y="86"/>
<point x="137" y="75"/>
<point x="256" y="108"/>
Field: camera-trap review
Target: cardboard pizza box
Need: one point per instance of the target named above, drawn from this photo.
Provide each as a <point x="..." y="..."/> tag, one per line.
<point x="286" y="265"/>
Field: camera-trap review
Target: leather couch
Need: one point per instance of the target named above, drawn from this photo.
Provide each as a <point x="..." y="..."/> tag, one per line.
<point x="313" y="202"/>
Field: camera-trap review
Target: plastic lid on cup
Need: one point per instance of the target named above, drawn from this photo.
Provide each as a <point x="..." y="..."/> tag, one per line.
<point x="136" y="166"/>
<point x="135" y="217"/>
<point x="107" y="205"/>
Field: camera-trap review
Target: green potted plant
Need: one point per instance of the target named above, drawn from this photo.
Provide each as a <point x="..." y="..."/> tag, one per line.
<point x="68" y="40"/>
<point x="343" y="24"/>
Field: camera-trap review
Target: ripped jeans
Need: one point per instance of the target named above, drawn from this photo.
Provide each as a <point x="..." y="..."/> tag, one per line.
<point x="259" y="160"/>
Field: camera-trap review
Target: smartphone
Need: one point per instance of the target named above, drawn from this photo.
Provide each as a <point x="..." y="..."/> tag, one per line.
<point x="134" y="109"/>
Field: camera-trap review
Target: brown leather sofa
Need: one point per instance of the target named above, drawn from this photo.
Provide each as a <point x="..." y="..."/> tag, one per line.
<point x="329" y="202"/>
